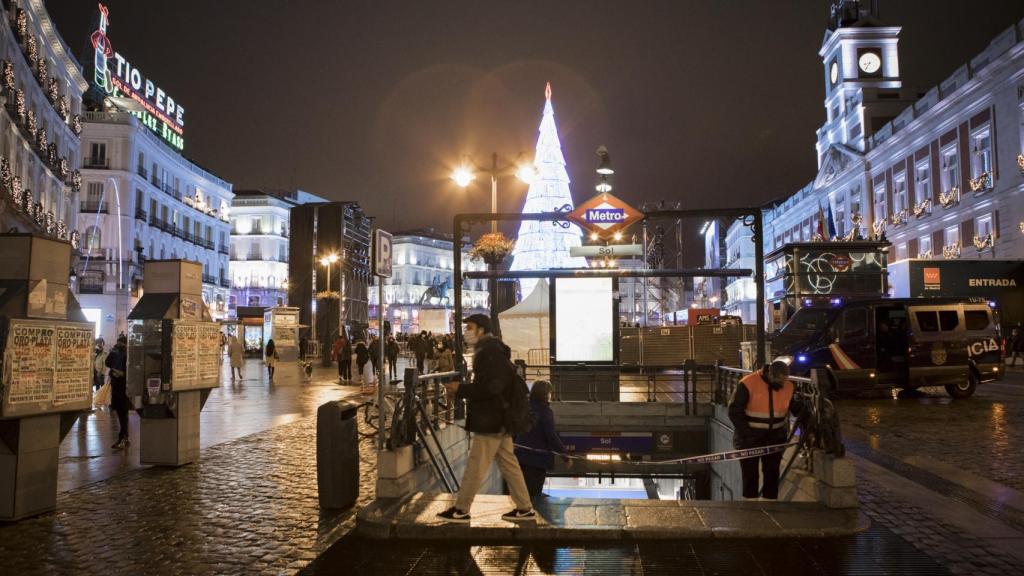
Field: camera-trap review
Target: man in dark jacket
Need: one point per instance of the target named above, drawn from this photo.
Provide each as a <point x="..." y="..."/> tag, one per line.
<point x="117" y="362"/>
<point x="485" y="399"/>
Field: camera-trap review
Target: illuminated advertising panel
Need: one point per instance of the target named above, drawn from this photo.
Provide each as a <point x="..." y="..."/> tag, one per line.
<point x="116" y="76"/>
<point x="584" y="320"/>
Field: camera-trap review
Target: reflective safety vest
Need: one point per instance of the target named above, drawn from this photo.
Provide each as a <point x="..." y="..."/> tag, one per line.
<point x="766" y="409"/>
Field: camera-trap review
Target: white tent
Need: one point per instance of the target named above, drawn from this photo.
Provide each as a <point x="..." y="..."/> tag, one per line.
<point x="525" y="326"/>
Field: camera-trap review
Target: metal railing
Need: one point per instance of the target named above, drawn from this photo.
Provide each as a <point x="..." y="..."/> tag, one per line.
<point x="96" y="163"/>
<point x="93" y="207"/>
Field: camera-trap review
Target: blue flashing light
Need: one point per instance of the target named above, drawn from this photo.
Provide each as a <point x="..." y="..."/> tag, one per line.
<point x="807" y="302"/>
<point x="801" y="358"/>
<point x="837" y="301"/>
<point x="991" y="303"/>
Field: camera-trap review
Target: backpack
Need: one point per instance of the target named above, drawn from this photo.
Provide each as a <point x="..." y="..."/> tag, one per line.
<point x="518" y="417"/>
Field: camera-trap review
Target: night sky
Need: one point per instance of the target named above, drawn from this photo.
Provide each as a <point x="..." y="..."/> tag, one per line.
<point x="708" y="103"/>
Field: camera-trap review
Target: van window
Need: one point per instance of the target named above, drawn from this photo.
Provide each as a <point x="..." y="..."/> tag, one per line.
<point x="976" y="319"/>
<point x="855" y="324"/>
<point x="927" y="321"/>
<point x="948" y="320"/>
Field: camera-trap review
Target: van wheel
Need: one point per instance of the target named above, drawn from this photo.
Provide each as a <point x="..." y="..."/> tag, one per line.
<point x="964" y="389"/>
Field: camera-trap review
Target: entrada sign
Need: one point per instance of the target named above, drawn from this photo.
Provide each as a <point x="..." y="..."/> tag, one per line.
<point x="160" y="113"/>
<point x="604" y="215"/>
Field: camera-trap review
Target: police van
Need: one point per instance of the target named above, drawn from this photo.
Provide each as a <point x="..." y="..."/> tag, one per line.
<point x="891" y="343"/>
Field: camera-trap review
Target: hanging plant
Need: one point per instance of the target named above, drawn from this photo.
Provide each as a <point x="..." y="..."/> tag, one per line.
<point x="492" y="248"/>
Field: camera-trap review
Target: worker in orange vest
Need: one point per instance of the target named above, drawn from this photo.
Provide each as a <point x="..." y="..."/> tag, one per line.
<point x="759" y="411"/>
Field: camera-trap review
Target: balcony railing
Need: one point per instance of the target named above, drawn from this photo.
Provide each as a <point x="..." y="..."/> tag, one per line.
<point x="223" y="249"/>
<point x="93" y="207"/>
<point x="141" y="171"/>
<point x="209" y="279"/>
<point x="225" y="283"/>
<point x="140" y="214"/>
<point x="90" y="288"/>
<point x="102" y="163"/>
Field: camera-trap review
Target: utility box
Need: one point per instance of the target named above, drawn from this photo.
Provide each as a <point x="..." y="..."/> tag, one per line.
<point x="337" y="454"/>
<point x="46" y="369"/>
<point x="173" y="361"/>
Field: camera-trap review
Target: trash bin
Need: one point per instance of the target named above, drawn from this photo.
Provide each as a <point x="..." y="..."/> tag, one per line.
<point x="337" y="454"/>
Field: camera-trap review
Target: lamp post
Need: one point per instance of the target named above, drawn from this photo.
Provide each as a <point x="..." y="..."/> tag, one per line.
<point x="464" y="175"/>
<point x="326" y="261"/>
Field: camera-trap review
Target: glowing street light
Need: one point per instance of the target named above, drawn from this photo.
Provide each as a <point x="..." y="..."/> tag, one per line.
<point x="327" y="261"/>
<point x="463" y="176"/>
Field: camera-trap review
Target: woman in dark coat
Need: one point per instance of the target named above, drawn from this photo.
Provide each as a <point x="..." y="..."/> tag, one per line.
<point x="542" y="438"/>
<point x="362" y="357"/>
<point x="117" y="362"/>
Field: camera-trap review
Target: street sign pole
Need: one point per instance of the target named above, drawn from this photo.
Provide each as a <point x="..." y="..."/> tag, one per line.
<point x="382" y="263"/>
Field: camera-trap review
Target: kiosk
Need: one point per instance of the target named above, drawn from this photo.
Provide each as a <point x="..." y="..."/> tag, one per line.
<point x="47" y="369"/>
<point x="282" y="324"/>
<point x="173" y="361"/>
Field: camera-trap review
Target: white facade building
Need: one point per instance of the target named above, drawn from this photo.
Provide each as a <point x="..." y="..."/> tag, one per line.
<point x="141" y="201"/>
<point x="740" y="293"/>
<point x="940" y="176"/>
<point x="422" y="280"/>
<point x="259" y="246"/>
<point x="42" y="88"/>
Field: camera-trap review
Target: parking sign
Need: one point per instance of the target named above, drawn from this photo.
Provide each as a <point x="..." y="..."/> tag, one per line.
<point x="382" y="253"/>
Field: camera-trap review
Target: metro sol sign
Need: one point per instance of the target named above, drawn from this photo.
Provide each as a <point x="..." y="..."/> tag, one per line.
<point x="604" y="215"/>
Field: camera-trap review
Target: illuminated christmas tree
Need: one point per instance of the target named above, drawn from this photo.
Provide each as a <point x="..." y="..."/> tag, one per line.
<point x="545" y="245"/>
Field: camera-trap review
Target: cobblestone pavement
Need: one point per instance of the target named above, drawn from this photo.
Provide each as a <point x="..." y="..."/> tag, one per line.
<point x="249" y="506"/>
<point x="983" y="434"/>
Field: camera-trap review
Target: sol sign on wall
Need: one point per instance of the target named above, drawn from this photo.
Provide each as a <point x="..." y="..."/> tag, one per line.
<point x="604" y="215"/>
<point x="115" y="75"/>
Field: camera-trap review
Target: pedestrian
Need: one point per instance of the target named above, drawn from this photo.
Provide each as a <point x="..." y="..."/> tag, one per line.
<point x="1016" y="344"/>
<point x="445" y="360"/>
<point x="419" y="348"/>
<point x="339" y="343"/>
<point x="541" y="442"/>
<point x="117" y="362"/>
<point x="375" y="353"/>
<point x="99" y="365"/>
<point x="759" y="411"/>
<point x="345" y="359"/>
<point x="362" y="359"/>
<point x="392" y="353"/>
<point x="303" y="344"/>
<point x="271" y="357"/>
<point x="235" y="354"/>
<point x="486" y="407"/>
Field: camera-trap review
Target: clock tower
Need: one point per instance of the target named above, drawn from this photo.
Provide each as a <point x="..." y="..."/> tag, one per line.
<point x="862" y="76"/>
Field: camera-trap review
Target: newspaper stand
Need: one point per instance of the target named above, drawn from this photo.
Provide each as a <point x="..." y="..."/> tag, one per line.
<point x="46" y="369"/>
<point x="173" y="361"/>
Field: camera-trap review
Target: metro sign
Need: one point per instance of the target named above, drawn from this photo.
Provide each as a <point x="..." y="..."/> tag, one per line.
<point x="604" y="215"/>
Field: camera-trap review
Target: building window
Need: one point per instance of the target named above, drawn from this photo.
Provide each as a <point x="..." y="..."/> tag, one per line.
<point x="925" y="247"/>
<point x="983" y="226"/>
<point x="901" y="251"/>
<point x="922" y="189"/>
<point x="839" y="213"/>
<point x="981" y="163"/>
<point x="950" y="169"/>
<point x="880" y="212"/>
<point x="899" y="193"/>
<point x="254" y="301"/>
<point x="97" y="154"/>
<point x="952" y="236"/>
<point x="92" y="239"/>
<point x="94" y="194"/>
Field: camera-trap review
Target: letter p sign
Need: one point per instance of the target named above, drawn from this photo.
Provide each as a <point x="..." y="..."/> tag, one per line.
<point x="382" y="253"/>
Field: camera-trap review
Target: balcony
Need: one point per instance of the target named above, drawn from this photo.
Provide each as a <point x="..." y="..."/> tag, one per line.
<point x="90" y="288"/>
<point x="140" y="214"/>
<point x="93" y="207"/>
<point x="141" y="171"/>
<point x="209" y="279"/>
<point x="100" y="163"/>
<point x="223" y="249"/>
<point x="225" y="283"/>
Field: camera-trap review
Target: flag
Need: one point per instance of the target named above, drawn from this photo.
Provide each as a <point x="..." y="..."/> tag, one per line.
<point x="831" y="223"/>
<point x="820" y="231"/>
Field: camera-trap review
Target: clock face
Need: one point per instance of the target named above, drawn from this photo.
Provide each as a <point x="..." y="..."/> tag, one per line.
<point x="833" y="72"/>
<point x="869" y="62"/>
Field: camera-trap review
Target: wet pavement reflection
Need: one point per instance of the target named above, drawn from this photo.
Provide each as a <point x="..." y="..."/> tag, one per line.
<point x="235" y="409"/>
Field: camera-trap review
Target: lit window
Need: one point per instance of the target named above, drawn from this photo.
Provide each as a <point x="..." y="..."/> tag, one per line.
<point x="983" y="225"/>
<point x="899" y="193"/>
<point x="880" y="212"/>
<point x="952" y="235"/>
<point x="950" y="168"/>
<point x="922" y="190"/>
<point x="925" y="247"/>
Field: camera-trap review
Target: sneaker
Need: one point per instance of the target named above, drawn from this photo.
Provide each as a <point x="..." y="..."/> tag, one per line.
<point x="120" y="444"/>
<point x="453" y="514"/>
<point x="517" y="514"/>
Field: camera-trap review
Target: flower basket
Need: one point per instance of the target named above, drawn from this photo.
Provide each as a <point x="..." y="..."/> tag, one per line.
<point x="492" y="248"/>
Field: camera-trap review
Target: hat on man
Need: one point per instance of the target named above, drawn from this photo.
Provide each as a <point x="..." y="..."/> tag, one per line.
<point x="481" y="320"/>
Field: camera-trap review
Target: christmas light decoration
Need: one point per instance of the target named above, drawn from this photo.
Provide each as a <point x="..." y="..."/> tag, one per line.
<point x="16" y="190"/>
<point x="63" y="107"/>
<point x="51" y="153"/>
<point x="951" y="198"/>
<point x="76" y="239"/>
<point x="7" y="73"/>
<point x="21" y="23"/>
<point x="544" y="245"/>
<point x="5" y="173"/>
<point x="76" y="124"/>
<point x="30" y="124"/>
<point x="52" y="91"/>
<point x="981" y="183"/>
<point x="43" y="73"/>
<point x="76" y="181"/>
<point x="31" y="50"/>
<point x="62" y="229"/>
<point x="41" y="140"/>
<point x="62" y="168"/>
<point x="983" y="242"/>
<point x="51" y="223"/>
<point x="19" y="104"/>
